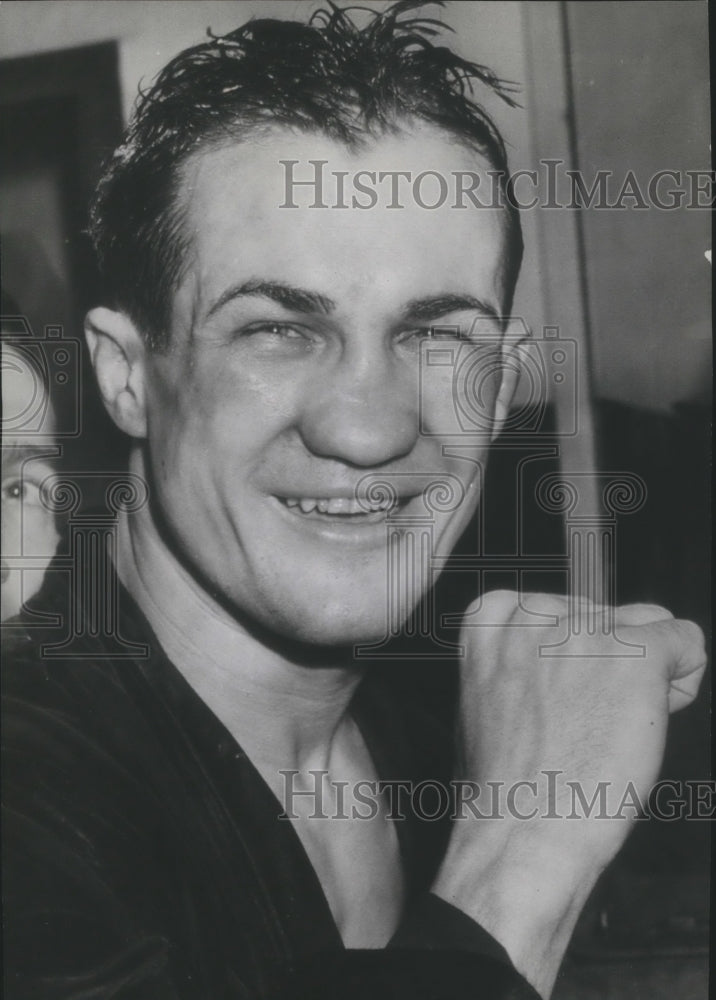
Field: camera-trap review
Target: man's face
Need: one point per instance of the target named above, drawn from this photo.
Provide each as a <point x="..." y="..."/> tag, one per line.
<point x="297" y="368"/>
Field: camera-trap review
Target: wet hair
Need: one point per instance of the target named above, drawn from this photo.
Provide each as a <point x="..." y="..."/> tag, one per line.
<point x="329" y="76"/>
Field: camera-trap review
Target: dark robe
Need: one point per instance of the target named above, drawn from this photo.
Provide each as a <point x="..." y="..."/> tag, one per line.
<point x="145" y="857"/>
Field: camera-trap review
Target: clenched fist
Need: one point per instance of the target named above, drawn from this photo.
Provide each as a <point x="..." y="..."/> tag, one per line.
<point x="592" y="708"/>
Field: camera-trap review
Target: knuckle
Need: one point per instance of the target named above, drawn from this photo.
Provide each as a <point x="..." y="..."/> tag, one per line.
<point x="499" y="602"/>
<point x="692" y="633"/>
<point x="644" y="612"/>
<point x="546" y="604"/>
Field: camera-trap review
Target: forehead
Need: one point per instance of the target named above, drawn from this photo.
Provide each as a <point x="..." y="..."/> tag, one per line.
<point x="248" y="215"/>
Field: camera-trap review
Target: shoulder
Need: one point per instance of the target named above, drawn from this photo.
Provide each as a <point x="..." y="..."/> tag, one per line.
<point x="72" y="731"/>
<point x="37" y="681"/>
<point x="79" y="812"/>
<point x="60" y="677"/>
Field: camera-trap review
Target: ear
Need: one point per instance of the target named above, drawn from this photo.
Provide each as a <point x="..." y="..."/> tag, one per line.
<point x="514" y="348"/>
<point x="118" y="356"/>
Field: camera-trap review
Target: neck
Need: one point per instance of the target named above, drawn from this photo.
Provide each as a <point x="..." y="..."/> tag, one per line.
<point x="284" y="713"/>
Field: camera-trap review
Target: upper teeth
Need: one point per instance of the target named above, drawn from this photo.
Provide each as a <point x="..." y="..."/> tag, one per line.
<point x="338" y="505"/>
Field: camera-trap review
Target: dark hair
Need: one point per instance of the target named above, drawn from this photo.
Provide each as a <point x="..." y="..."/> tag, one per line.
<point x="329" y="76"/>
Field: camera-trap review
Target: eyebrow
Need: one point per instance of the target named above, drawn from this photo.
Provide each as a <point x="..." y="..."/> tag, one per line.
<point x="298" y="299"/>
<point x="440" y="305"/>
<point x="305" y="301"/>
<point x="14" y="454"/>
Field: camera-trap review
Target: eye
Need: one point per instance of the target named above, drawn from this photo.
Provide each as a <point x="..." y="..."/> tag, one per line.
<point x="13" y="489"/>
<point x="447" y="332"/>
<point x="24" y="491"/>
<point x="437" y="332"/>
<point x="415" y="333"/>
<point x="280" y="331"/>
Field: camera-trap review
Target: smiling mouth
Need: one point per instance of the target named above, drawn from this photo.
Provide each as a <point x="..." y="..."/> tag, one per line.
<point x="343" y="509"/>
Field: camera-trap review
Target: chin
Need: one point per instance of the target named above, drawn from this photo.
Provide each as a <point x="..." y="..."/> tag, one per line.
<point x="334" y="624"/>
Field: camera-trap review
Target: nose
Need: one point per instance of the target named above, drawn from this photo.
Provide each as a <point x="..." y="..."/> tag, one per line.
<point x="364" y="412"/>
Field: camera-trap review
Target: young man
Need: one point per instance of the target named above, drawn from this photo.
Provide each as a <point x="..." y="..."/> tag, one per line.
<point x="264" y="354"/>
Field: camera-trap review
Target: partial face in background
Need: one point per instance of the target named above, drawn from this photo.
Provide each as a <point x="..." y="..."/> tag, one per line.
<point x="298" y="368"/>
<point x="29" y="533"/>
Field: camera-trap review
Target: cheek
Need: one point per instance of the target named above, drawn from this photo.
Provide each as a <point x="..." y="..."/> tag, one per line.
<point x="208" y="442"/>
<point x="28" y="530"/>
<point x="183" y="406"/>
<point x="11" y="522"/>
<point x="457" y="410"/>
<point x="459" y="385"/>
<point x="219" y="394"/>
<point x="39" y="531"/>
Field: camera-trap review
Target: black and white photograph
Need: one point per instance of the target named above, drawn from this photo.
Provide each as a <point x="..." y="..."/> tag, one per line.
<point x="356" y="499"/>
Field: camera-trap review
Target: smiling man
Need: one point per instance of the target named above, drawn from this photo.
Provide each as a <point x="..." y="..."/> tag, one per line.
<point x="261" y="343"/>
<point x="291" y="374"/>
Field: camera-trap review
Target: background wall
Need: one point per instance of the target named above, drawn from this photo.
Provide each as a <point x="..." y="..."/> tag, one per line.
<point x="641" y="93"/>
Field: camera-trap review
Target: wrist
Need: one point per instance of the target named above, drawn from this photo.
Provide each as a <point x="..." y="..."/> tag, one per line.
<point x="521" y="886"/>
